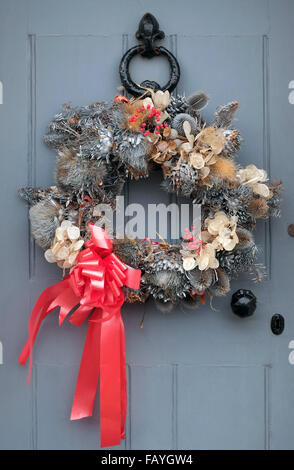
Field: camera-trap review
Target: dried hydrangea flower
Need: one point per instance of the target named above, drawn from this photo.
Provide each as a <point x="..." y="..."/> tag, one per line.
<point x="223" y="229"/>
<point x="206" y="258"/>
<point x="196" y="160"/>
<point x="66" y="246"/>
<point x="255" y="178"/>
<point x="164" y="150"/>
<point x="211" y="139"/>
<point x="202" y="151"/>
<point x="189" y="263"/>
<point x="219" y="221"/>
<point x="227" y="238"/>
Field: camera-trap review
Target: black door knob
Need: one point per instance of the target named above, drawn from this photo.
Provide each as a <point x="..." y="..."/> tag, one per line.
<point x="243" y="303"/>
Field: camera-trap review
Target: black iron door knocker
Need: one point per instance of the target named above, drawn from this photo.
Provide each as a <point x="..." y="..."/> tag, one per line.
<point x="148" y="33"/>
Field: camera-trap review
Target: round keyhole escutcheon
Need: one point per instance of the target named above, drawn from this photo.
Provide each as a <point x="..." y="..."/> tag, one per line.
<point x="277" y="324"/>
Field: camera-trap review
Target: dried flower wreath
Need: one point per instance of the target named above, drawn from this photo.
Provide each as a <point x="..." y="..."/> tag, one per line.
<point x="101" y="145"/>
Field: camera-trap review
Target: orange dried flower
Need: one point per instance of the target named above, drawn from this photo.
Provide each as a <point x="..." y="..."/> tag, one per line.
<point x="223" y="168"/>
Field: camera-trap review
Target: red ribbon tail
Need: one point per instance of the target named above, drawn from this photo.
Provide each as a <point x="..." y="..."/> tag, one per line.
<point x="123" y="378"/>
<point x="104" y="353"/>
<point x="80" y="315"/>
<point x="87" y="382"/>
<point x="112" y="382"/>
<point x="40" y="311"/>
<point x="67" y="301"/>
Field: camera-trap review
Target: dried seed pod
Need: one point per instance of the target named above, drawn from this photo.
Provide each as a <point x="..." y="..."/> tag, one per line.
<point x="173" y="134"/>
<point x="73" y="232"/>
<point x="178" y="121"/>
<point x="233" y="142"/>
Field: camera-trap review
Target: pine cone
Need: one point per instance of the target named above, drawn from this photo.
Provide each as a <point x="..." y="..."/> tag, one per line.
<point x="182" y="179"/>
<point x="177" y="105"/>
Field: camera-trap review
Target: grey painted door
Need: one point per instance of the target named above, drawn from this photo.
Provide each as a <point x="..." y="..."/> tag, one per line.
<point x="201" y="379"/>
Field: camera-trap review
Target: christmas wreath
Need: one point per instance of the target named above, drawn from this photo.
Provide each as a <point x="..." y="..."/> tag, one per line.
<point x="102" y="145"/>
<point x="99" y="147"/>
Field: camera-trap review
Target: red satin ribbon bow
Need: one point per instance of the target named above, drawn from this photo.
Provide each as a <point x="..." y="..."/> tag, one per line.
<point x="95" y="284"/>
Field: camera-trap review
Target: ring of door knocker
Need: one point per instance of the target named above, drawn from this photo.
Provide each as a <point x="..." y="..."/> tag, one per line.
<point x="147" y="33"/>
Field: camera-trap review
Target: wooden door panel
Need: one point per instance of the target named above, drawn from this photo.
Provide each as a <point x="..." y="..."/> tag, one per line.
<point x="223" y="407"/>
<point x="151" y="400"/>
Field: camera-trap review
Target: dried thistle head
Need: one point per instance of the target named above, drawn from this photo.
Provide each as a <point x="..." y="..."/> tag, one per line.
<point x="178" y="121"/>
<point x="245" y="237"/>
<point x="166" y="285"/>
<point x="200" y="280"/>
<point x="133" y="150"/>
<point x="76" y="174"/>
<point x="129" y="251"/>
<point x="223" y="168"/>
<point x="258" y="208"/>
<point x="222" y="284"/>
